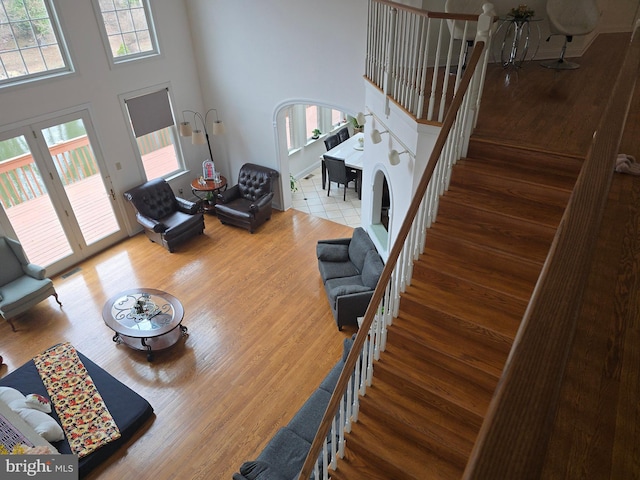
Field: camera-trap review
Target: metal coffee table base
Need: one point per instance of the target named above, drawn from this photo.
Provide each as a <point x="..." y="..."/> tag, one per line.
<point x="152" y="344"/>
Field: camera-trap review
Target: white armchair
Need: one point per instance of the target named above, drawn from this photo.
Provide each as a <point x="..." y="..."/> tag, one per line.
<point x="22" y="284"/>
<point x="570" y="18"/>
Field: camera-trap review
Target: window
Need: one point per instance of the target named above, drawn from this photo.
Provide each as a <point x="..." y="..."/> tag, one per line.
<point x="312" y="120"/>
<point x="302" y="120"/>
<point x="127" y="28"/>
<point x="31" y="43"/>
<point x="153" y="126"/>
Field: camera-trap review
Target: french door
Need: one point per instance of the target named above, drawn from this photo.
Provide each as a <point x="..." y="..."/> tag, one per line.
<point x="55" y="199"/>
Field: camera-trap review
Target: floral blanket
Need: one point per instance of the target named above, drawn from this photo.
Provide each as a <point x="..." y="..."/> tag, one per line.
<point x="85" y="418"/>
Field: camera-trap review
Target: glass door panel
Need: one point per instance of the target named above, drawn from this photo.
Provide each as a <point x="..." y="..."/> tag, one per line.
<point x="28" y="206"/>
<point x="79" y="174"/>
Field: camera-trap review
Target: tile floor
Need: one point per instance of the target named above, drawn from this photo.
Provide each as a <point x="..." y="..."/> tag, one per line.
<point x="312" y="199"/>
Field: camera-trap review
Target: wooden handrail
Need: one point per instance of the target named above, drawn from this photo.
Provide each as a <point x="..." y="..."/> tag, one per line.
<point x="514" y="437"/>
<point x="394" y="254"/>
<point x="427" y="14"/>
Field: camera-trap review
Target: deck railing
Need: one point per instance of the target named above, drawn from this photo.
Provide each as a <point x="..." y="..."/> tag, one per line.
<point x="21" y="181"/>
<point x="329" y="443"/>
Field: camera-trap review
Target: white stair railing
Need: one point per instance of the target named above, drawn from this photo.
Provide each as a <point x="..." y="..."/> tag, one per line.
<point x="411" y="52"/>
<point x="357" y="375"/>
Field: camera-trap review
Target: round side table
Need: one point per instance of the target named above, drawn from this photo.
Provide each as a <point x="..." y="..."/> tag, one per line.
<point x="202" y="190"/>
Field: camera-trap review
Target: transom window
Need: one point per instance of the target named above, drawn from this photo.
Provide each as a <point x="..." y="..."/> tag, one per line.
<point x="31" y="42"/>
<point x="127" y="28"/>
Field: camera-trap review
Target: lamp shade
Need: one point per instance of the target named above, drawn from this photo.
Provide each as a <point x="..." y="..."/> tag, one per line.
<point x="198" y="138"/>
<point x="360" y="118"/>
<point x="394" y="157"/>
<point x="376" y="135"/>
<point x="185" y="129"/>
<point x="218" y="128"/>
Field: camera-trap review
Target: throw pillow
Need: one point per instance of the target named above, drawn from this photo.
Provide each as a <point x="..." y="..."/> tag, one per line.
<point x="332" y="252"/>
<point x="372" y="269"/>
<point x="37" y="401"/>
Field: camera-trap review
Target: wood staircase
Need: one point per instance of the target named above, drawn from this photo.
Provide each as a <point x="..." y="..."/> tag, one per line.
<point x="458" y="318"/>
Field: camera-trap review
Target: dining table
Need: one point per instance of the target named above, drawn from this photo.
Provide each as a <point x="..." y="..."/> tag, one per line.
<point x="352" y="152"/>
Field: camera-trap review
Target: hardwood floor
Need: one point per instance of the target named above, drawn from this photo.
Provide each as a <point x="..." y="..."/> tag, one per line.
<point x="261" y="336"/>
<point x="261" y="339"/>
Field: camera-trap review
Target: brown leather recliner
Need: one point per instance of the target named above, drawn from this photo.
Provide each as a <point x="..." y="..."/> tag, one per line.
<point x="167" y="219"/>
<point x="248" y="204"/>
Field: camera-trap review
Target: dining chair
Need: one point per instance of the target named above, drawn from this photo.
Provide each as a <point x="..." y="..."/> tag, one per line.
<point x="340" y="174"/>
<point x="343" y="134"/>
<point x="331" y="141"/>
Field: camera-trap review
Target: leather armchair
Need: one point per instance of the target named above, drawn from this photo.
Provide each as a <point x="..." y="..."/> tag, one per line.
<point x="167" y="220"/>
<point x="248" y="204"/>
<point x="22" y="284"/>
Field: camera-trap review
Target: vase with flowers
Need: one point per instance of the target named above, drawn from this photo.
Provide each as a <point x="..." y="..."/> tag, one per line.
<point x="521" y="14"/>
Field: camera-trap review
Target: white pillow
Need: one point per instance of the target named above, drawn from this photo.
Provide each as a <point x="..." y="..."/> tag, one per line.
<point x="42" y="423"/>
<point x="8" y="395"/>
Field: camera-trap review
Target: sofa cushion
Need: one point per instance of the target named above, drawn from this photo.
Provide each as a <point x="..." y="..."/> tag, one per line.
<point x="359" y="246"/>
<point x="22" y="291"/>
<point x="286" y="452"/>
<point x="332" y="252"/>
<point x="342" y="290"/>
<point x="306" y="422"/>
<point x="372" y="269"/>
<point x="258" y="470"/>
<point x="329" y="270"/>
<point x="330" y="381"/>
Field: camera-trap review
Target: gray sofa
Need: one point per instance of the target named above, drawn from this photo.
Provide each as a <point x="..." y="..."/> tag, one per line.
<point x="284" y="455"/>
<point x="350" y="269"/>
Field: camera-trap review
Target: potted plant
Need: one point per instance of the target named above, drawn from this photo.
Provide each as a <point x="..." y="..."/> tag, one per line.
<point x="294" y="183"/>
<point x="209" y="198"/>
<point x="316" y="133"/>
<point x="357" y="128"/>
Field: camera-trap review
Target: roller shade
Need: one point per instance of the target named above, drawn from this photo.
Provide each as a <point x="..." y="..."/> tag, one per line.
<point x="149" y="113"/>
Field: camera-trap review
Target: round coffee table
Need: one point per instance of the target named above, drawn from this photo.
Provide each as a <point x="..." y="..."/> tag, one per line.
<point x="145" y="319"/>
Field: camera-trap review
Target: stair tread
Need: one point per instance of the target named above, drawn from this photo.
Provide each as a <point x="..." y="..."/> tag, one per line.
<point x="419" y="423"/>
<point x="410" y="407"/>
<point x="472" y="348"/>
<point x="409" y="461"/>
<point x="472" y="177"/>
<point x="475" y="305"/>
<point x="488" y="263"/>
<point x="475" y="273"/>
<point x="467" y="395"/>
<point x="505" y="234"/>
<point x="528" y="158"/>
<point x="547" y="178"/>
<point x="529" y="210"/>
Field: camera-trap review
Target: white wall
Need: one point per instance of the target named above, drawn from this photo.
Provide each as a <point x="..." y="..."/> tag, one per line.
<point x="97" y="85"/>
<point x="256" y="56"/>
